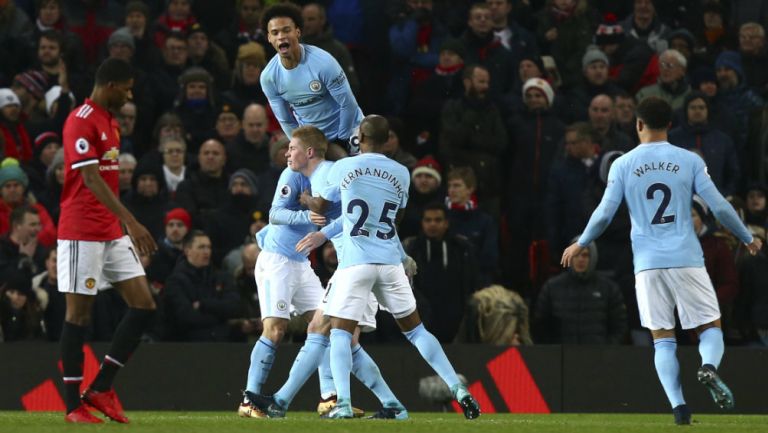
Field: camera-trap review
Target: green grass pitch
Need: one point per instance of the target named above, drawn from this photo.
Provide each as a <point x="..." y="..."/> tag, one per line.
<point x="223" y="422"/>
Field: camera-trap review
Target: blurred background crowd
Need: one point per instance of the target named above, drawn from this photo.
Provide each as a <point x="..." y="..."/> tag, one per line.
<point x="507" y="112"/>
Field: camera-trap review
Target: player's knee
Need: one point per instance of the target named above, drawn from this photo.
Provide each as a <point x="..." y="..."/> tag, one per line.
<point x="319" y="326"/>
<point x="78" y="318"/>
<point x="274" y="331"/>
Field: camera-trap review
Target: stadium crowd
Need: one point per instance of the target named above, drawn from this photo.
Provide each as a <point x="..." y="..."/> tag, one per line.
<point x="507" y="112"/>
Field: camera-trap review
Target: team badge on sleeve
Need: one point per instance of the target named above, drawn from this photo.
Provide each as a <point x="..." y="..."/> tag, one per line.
<point x="82" y="146"/>
<point x="285" y="191"/>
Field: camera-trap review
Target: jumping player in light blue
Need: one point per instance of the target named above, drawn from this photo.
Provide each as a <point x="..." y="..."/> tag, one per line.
<point x="373" y="190"/>
<point x="304" y="84"/>
<point x="658" y="181"/>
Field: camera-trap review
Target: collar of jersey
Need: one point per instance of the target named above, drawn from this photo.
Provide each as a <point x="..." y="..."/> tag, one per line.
<point x="98" y="108"/>
<point x="654" y="143"/>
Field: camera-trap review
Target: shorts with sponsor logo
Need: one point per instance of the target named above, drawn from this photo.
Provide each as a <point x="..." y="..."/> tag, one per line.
<point x="353" y="286"/>
<point x="660" y="291"/>
<point x="285" y="283"/>
<point x="368" y="322"/>
<point x="85" y="267"/>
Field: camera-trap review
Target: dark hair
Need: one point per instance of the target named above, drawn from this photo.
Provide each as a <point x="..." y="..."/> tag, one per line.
<point x="469" y="70"/>
<point x="376" y="128"/>
<point x="52" y="35"/>
<point x="17" y="215"/>
<point x="282" y="10"/>
<point x="623" y="94"/>
<point x="435" y="205"/>
<point x="190" y="237"/>
<point x="113" y="70"/>
<point x="655" y="112"/>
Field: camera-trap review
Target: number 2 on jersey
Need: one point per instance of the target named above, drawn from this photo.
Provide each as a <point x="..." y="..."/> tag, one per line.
<point x="358" y="230"/>
<point x="659" y="217"/>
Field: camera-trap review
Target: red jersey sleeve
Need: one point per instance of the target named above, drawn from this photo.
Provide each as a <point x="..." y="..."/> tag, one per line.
<point x="80" y="139"/>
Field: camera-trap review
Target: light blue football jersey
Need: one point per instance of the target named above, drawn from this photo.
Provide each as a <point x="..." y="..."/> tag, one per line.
<point x="319" y="181"/>
<point x="371" y="188"/>
<point x="316" y="92"/>
<point x="658" y="181"/>
<point x="288" y="221"/>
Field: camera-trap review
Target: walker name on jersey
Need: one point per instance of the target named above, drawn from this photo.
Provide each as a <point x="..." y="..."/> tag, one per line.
<point x="375" y="172"/>
<point x="661" y="166"/>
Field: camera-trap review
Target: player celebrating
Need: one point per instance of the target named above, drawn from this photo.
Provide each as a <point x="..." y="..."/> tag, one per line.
<point x="373" y="189"/>
<point x="306" y="155"/>
<point x="305" y="85"/>
<point x="658" y="181"/>
<point x="93" y="251"/>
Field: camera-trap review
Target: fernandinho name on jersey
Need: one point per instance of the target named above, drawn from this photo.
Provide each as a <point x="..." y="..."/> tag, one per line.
<point x="355" y="174"/>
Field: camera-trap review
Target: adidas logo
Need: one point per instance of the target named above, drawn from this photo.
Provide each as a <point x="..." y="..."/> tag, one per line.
<point x="103" y="136"/>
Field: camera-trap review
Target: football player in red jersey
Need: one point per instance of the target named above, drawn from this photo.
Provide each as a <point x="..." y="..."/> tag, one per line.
<point x="93" y="250"/>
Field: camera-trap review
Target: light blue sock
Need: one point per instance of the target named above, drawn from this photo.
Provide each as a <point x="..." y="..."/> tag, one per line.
<point x="432" y="352"/>
<point x="365" y="369"/>
<point x="327" y="387"/>
<point x="262" y="357"/>
<point x="341" y="362"/>
<point x="305" y="364"/>
<point x="711" y="346"/>
<point x="668" y="369"/>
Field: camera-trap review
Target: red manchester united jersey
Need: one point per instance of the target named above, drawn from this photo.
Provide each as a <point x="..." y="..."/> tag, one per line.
<point x="91" y="136"/>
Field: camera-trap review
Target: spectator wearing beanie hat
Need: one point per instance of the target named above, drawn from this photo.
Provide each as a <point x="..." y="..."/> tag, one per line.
<point x="633" y="64"/>
<point x="543" y="87"/>
<point x="14" y="138"/>
<point x="230" y="224"/>
<point x="737" y="98"/>
<point x="246" y="87"/>
<point x="537" y="132"/>
<point x="196" y="105"/>
<point x="14" y="195"/>
<point x="121" y="45"/>
<point x="146" y="53"/>
<point x="595" y="68"/>
<point x="177" y="223"/>
<point x="45" y="147"/>
<point x="148" y="198"/>
<point x="427" y="100"/>
<point x="426" y="187"/>
<point x="205" y="53"/>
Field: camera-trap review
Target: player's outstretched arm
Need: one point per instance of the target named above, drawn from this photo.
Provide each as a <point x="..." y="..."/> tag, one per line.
<point x="141" y="237"/>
